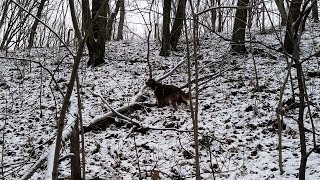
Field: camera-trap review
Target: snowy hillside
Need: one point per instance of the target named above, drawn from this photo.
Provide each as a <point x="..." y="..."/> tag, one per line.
<point x="238" y="133"/>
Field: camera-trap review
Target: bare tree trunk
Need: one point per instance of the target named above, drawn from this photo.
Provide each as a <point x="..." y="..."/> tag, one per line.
<point x="13" y="31"/>
<point x="5" y="38"/>
<point x="64" y="110"/>
<point x="251" y="12"/>
<point x="282" y="11"/>
<point x="239" y="27"/>
<point x="96" y="46"/>
<point x="75" y="21"/>
<point x="213" y="16"/>
<point x="165" y="46"/>
<point x="75" y="150"/>
<point x="5" y="7"/>
<point x="177" y="24"/>
<point x="263" y="27"/>
<point x="294" y="11"/>
<point x="108" y="8"/>
<point x="295" y="33"/>
<point x="315" y="14"/>
<point x="35" y="24"/>
<point x="77" y="58"/>
<point x="83" y="157"/>
<point x="121" y="21"/>
<point x="303" y="151"/>
<point x="194" y="109"/>
<point x="111" y="20"/>
<point x="220" y="24"/>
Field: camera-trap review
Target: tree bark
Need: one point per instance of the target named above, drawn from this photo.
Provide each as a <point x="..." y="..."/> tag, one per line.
<point x="213" y="16"/>
<point x="112" y="18"/>
<point x="303" y="151"/>
<point x="64" y="110"/>
<point x="75" y="150"/>
<point x="282" y="11"/>
<point x="220" y="24"/>
<point x="315" y="14"/>
<point x="294" y="11"/>
<point x="165" y="46"/>
<point x="177" y="24"/>
<point x="96" y="34"/>
<point x="5" y="11"/>
<point x="75" y="21"/>
<point x="194" y="108"/>
<point x="121" y="21"/>
<point x="35" y="24"/>
<point x="239" y="28"/>
<point x="295" y="36"/>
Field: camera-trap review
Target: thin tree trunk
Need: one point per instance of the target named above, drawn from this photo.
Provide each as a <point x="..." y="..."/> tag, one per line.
<point x="5" y="11"/>
<point x="239" y="27"/>
<point x="280" y="116"/>
<point x="220" y="23"/>
<point x="4" y="39"/>
<point x="263" y="30"/>
<point x="165" y="46"/>
<point x="213" y="16"/>
<point x="177" y="24"/>
<point x="315" y="13"/>
<point x="282" y="11"/>
<point x="75" y="21"/>
<point x="96" y="46"/>
<point x="35" y="24"/>
<point x="111" y="20"/>
<point x="64" y="110"/>
<point x="194" y="109"/>
<point x="75" y="150"/>
<point x="83" y="157"/>
<point x="121" y="21"/>
<point x="295" y="36"/>
<point x="294" y="11"/>
<point x="303" y="151"/>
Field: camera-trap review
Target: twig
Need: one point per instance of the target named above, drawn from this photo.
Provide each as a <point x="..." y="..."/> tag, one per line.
<point x="168" y="129"/>
<point x="36" y="62"/>
<point x="135" y="147"/>
<point x="223" y="7"/>
<point x="130" y="131"/>
<point x="172" y="70"/>
<point x="21" y="7"/>
<point x="116" y="112"/>
<point x="138" y="96"/>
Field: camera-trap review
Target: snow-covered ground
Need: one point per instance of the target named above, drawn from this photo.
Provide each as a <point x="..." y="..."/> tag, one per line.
<point x="236" y="129"/>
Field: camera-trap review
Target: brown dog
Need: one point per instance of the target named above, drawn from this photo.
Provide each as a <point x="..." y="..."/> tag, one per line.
<point x="166" y="93"/>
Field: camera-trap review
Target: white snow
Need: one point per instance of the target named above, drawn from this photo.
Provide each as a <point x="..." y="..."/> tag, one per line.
<point x="232" y="116"/>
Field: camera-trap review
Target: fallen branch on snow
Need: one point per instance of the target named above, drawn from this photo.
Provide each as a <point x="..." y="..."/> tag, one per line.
<point x="125" y="109"/>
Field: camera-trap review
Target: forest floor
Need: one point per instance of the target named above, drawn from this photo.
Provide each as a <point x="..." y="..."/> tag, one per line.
<point x="237" y="129"/>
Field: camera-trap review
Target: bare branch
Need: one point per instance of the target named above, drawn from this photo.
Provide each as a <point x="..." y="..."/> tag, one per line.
<point x="21" y="7"/>
<point x="223" y="7"/>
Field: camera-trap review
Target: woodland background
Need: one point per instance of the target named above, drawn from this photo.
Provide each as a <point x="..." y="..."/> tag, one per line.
<point x="74" y="103"/>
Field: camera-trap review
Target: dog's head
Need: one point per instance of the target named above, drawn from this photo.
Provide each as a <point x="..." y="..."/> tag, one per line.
<point x="152" y="83"/>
